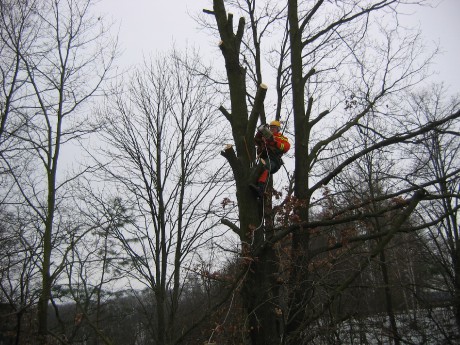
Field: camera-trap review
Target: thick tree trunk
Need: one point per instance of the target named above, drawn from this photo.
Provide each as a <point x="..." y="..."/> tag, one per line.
<point x="42" y="312"/>
<point x="456" y="263"/>
<point x="258" y="294"/>
<point x="260" y="297"/>
<point x="389" y="299"/>
<point x="299" y="284"/>
<point x="45" y="293"/>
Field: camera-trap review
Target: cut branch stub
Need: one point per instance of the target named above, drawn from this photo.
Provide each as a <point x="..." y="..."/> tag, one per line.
<point x="230" y="155"/>
<point x="230" y="22"/>
<point x="225" y="26"/>
<point x="256" y="109"/>
<point x="240" y="32"/>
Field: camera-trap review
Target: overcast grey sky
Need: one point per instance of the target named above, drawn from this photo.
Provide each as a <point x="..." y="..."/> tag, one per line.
<point x="149" y="26"/>
<point x="442" y="24"/>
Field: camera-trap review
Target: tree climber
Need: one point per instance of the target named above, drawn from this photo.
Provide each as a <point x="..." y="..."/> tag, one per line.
<point x="271" y="145"/>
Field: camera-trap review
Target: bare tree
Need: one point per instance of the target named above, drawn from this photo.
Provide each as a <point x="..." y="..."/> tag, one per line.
<point x="19" y="279"/>
<point x="61" y="71"/>
<point x="339" y="63"/>
<point x="161" y="139"/>
<point x="436" y="158"/>
<point x="16" y="34"/>
<point x="92" y="275"/>
<point x="367" y="182"/>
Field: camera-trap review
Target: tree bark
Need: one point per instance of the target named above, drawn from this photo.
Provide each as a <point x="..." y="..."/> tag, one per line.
<point x="259" y="293"/>
<point x="389" y="299"/>
<point x="299" y="282"/>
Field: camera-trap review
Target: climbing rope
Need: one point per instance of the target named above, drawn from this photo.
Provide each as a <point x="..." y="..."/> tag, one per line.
<point x="263" y="197"/>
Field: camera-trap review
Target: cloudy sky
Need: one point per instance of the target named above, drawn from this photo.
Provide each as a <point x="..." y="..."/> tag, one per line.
<point x="149" y="26"/>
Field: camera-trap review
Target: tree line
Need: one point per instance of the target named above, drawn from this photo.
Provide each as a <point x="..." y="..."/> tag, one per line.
<point x="126" y="216"/>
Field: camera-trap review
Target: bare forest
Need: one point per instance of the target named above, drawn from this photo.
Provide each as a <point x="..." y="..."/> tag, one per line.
<point x="126" y="213"/>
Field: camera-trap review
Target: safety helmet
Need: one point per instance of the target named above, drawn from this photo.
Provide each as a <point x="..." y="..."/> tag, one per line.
<point x="275" y="123"/>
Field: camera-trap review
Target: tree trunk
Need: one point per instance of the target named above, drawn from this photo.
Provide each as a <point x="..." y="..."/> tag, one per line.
<point x="45" y="293"/>
<point x="299" y="284"/>
<point x="260" y="296"/>
<point x="389" y="299"/>
<point x="456" y="263"/>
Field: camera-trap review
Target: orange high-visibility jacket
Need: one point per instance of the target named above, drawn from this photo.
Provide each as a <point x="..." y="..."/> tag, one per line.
<point x="278" y="145"/>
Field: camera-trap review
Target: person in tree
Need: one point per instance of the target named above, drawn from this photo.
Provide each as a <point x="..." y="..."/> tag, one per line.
<point x="271" y="145"/>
